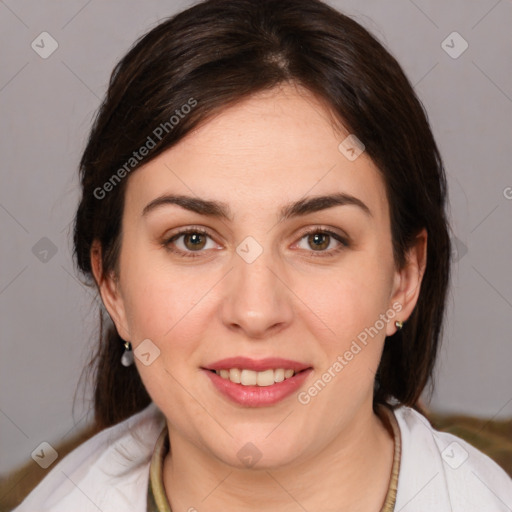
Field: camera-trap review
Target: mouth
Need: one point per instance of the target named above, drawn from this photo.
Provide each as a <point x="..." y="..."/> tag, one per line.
<point x="247" y="377"/>
<point x="256" y="383"/>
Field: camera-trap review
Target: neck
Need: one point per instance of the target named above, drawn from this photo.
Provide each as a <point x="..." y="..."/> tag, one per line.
<point x="351" y="473"/>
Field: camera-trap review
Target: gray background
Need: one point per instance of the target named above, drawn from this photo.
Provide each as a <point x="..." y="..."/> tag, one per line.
<point x="48" y="318"/>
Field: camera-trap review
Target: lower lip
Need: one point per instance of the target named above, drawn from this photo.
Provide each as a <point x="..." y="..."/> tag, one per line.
<point x="258" y="396"/>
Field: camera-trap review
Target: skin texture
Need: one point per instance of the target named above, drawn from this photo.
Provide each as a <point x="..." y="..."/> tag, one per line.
<point x="274" y="148"/>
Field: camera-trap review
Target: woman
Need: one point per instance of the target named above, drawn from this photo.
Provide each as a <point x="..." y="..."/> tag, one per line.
<point x="263" y="215"/>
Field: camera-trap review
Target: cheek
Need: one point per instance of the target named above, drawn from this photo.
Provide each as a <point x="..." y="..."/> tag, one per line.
<point x="157" y="298"/>
<point x="172" y="306"/>
<point x="165" y="309"/>
<point x="351" y="305"/>
<point x="351" y="298"/>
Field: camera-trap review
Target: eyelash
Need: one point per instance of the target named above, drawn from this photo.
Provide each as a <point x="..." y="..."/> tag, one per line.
<point x="312" y="231"/>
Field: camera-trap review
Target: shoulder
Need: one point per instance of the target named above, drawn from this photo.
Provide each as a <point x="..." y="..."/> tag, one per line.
<point x="440" y="471"/>
<point x="108" y="472"/>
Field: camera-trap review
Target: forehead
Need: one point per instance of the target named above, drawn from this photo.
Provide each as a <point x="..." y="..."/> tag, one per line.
<point x="273" y="148"/>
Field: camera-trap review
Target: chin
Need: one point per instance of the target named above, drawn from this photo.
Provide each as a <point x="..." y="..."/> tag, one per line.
<point x="259" y="452"/>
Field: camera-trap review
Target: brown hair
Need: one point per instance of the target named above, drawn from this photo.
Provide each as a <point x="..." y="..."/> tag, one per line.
<point x="219" y="52"/>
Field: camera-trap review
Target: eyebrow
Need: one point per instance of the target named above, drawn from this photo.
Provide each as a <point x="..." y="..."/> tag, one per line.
<point x="221" y="210"/>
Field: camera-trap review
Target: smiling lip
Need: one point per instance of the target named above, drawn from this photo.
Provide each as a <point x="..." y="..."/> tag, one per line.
<point x="257" y="365"/>
<point x="257" y="396"/>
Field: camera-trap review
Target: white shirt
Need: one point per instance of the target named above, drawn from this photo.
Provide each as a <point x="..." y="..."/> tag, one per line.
<point x="439" y="472"/>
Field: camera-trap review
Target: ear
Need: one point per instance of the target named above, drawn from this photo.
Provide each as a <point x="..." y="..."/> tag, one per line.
<point x="110" y="292"/>
<point x="407" y="282"/>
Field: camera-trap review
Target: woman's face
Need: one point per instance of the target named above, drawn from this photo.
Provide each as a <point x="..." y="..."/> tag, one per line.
<point x="252" y="287"/>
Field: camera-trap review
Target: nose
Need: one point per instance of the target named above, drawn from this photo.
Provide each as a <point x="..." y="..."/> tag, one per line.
<point x="257" y="301"/>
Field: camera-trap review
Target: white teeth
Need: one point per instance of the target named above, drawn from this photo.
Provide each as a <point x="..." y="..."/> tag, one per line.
<point x="248" y="378"/>
<point x="279" y="375"/>
<point x="265" y="378"/>
<point x="252" y="378"/>
<point x="234" y="375"/>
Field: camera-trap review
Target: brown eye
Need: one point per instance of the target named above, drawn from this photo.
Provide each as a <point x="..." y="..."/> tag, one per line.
<point x="319" y="241"/>
<point x="194" y="241"/>
<point x="189" y="242"/>
<point x="323" y="242"/>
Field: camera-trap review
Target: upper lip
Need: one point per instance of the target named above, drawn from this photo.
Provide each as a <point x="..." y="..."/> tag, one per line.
<point x="257" y="365"/>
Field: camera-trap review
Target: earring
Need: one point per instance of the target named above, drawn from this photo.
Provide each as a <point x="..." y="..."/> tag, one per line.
<point x="127" y="357"/>
<point x="399" y="325"/>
